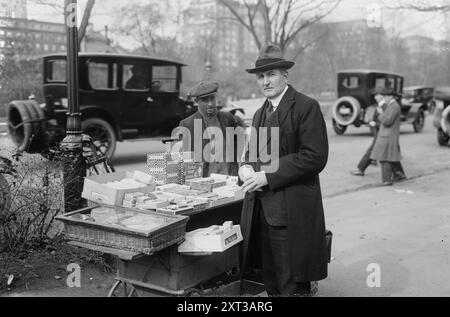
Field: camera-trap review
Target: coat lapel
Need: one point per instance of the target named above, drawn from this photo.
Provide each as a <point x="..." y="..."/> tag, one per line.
<point x="280" y="115"/>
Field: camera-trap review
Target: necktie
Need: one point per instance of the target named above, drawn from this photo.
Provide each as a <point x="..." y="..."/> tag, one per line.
<point x="270" y="109"/>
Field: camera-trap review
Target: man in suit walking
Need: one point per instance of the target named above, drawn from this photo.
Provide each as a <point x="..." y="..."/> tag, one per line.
<point x="283" y="213"/>
<point x="387" y="146"/>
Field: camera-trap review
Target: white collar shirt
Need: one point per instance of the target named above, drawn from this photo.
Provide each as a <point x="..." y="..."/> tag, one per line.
<point x="276" y="101"/>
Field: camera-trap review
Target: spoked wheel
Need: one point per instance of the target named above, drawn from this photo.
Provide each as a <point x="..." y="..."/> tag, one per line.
<point x="102" y="134"/>
<point x="419" y="123"/>
<point x="339" y="129"/>
<point x="122" y="289"/>
<point x="5" y="195"/>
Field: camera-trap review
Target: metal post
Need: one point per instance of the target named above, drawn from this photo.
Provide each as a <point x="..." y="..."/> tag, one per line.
<point x="73" y="163"/>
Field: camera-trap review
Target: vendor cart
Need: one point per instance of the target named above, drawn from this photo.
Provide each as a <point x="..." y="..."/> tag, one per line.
<point x="170" y="273"/>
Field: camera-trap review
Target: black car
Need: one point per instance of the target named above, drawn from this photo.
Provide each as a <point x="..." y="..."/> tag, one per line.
<point x="442" y="116"/>
<point x="356" y="104"/>
<point x="420" y="94"/>
<point x="121" y="97"/>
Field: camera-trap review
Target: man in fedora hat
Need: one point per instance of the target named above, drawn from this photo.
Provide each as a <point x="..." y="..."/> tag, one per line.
<point x="387" y="146"/>
<point x="209" y="116"/>
<point x="283" y="214"/>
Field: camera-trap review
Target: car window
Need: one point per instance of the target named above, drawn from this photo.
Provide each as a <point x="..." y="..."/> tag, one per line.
<point x="385" y="82"/>
<point x="351" y="82"/>
<point x="164" y="79"/>
<point x="136" y="77"/>
<point x="102" y="75"/>
<point x="56" y="71"/>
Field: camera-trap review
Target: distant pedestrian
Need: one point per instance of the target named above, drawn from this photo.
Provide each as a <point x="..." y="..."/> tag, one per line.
<point x="387" y="146"/>
<point x="365" y="161"/>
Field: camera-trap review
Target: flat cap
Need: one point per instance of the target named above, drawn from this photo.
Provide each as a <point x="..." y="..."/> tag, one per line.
<point x="204" y="89"/>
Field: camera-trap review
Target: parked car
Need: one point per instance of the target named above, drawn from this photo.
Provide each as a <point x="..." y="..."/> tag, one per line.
<point x="420" y="94"/>
<point x="121" y="97"/>
<point x="442" y="115"/>
<point x="356" y="104"/>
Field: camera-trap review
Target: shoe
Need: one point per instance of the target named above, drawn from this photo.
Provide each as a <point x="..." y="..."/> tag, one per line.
<point x="400" y="178"/>
<point x="357" y="173"/>
<point x="386" y="184"/>
<point x="309" y="291"/>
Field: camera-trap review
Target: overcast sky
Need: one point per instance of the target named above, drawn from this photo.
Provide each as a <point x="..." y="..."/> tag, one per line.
<point x="404" y="23"/>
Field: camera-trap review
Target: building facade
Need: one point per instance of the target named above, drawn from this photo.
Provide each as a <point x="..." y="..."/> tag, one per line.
<point x="31" y="38"/>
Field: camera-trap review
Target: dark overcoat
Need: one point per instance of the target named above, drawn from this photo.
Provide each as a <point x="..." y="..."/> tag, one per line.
<point x="303" y="150"/>
<point x="227" y="120"/>
<point x="387" y="145"/>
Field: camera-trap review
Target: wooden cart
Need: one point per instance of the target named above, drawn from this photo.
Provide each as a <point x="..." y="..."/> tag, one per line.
<point x="169" y="273"/>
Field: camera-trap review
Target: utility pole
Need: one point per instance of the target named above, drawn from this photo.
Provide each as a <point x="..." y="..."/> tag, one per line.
<point x="74" y="166"/>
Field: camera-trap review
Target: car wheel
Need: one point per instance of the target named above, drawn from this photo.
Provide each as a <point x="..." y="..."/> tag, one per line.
<point x="339" y="129"/>
<point x="102" y="134"/>
<point x="419" y="123"/>
<point x="442" y="137"/>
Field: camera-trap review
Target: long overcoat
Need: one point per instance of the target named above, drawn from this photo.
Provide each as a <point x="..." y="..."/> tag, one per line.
<point x="303" y="150"/>
<point x="387" y="146"/>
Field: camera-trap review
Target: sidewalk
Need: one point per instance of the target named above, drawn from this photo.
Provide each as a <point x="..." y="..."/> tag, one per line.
<point x="405" y="229"/>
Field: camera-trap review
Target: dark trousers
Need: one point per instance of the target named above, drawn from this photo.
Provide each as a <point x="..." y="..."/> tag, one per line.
<point x="390" y="170"/>
<point x="276" y="268"/>
<point x="365" y="161"/>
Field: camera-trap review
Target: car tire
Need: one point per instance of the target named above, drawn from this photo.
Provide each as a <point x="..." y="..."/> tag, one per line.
<point x="350" y="103"/>
<point x="26" y="125"/>
<point x="102" y="134"/>
<point x="339" y="129"/>
<point x="442" y="137"/>
<point x="419" y="122"/>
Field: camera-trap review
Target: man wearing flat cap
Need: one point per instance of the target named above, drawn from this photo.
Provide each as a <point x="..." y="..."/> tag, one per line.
<point x="209" y="116"/>
<point x="387" y="146"/>
<point x="283" y="214"/>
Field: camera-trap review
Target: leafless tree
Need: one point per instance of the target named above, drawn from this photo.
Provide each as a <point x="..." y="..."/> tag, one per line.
<point x="280" y="22"/>
<point x="149" y="27"/>
<point x="58" y="5"/>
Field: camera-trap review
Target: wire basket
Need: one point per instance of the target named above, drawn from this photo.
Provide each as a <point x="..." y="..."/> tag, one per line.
<point x="145" y="242"/>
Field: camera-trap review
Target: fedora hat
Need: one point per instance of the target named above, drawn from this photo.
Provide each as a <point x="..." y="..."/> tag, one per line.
<point x="270" y="57"/>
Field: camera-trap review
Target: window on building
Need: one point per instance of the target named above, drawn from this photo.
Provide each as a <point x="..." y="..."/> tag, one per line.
<point x="2" y="44"/>
<point x="45" y="47"/>
<point x="102" y="76"/>
<point x="55" y="70"/>
<point x="136" y="76"/>
<point x="164" y="78"/>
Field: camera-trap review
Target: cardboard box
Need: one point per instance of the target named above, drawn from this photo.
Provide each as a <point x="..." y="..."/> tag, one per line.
<point x="96" y="190"/>
<point x="197" y="242"/>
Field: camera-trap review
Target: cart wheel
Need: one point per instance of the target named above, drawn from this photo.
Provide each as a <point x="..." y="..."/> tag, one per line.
<point x="122" y="289"/>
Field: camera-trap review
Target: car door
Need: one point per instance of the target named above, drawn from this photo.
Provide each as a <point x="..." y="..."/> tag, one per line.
<point x="136" y="96"/>
<point x="165" y="111"/>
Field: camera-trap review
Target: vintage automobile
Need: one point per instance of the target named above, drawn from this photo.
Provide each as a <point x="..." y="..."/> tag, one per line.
<point x="420" y="94"/>
<point x="442" y="115"/>
<point x="121" y="97"/>
<point x="356" y="104"/>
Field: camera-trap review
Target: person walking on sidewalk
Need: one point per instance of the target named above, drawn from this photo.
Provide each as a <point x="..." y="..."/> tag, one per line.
<point x="365" y="161"/>
<point x="387" y="146"/>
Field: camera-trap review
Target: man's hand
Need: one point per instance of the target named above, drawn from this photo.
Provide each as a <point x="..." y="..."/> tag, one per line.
<point x="372" y="124"/>
<point x="255" y="182"/>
